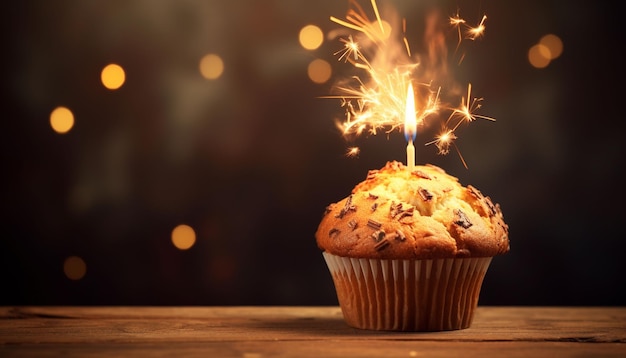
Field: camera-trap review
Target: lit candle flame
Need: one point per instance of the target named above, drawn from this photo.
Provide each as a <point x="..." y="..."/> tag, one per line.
<point x="380" y="99"/>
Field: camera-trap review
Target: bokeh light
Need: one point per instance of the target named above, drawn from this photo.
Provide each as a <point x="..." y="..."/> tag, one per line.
<point x="547" y="49"/>
<point x="183" y="237"/>
<point x="211" y="66"/>
<point x="319" y="71"/>
<point x="61" y="120"/>
<point x="113" y="76"/>
<point x="554" y="44"/>
<point x="74" y="268"/>
<point x="311" y="37"/>
<point x="539" y="56"/>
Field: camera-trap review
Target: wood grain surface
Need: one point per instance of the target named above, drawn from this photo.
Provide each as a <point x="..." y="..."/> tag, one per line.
<point x="269" y="331"/>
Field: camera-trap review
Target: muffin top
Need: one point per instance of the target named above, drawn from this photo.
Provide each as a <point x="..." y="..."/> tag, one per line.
<point x="424" y="213"/>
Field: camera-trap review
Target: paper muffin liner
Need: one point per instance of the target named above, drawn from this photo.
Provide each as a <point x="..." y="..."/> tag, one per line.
<point x="408" y="295"/>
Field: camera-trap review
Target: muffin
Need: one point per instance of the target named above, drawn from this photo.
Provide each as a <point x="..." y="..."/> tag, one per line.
<point x="408" y="249"/>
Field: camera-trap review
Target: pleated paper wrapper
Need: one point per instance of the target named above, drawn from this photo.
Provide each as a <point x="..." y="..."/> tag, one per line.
<point x="408" y="295"/>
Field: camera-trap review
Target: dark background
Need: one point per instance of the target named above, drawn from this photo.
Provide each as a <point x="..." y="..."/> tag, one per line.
<point x="251" y="159"/>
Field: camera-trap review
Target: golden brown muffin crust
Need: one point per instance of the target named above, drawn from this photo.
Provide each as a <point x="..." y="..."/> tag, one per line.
<point x="420" y="214"/>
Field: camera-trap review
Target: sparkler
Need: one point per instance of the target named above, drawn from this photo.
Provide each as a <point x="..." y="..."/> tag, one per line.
<point x="378" y="100"/>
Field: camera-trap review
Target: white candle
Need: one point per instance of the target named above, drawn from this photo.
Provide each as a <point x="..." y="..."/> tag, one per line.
<point x="410" y="127"/>
<point x="410" y="155"/>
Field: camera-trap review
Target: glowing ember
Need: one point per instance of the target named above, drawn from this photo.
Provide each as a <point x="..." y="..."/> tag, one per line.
<point x="377" y="100"/>
<point x="353" y="151"/>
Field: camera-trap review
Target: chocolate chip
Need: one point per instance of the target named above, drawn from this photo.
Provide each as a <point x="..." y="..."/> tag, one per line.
<point x="461" y="219"/>
<point x="378" y="235"/>
<point x="397" y="212"/>
<point x="421" y="174"/>
<point x="381" y="245"/>
<point x="373" y="224"/>
<point x="346" y="208"/>
<point x="425" y="194"/>
<point x="405" y="213"/>
<point x="395" y="209"/>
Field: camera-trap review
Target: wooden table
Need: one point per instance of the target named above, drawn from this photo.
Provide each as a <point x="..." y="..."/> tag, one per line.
<point x="254" y="332"/>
